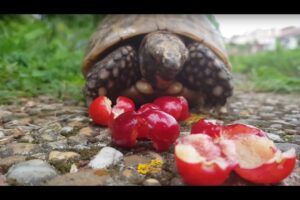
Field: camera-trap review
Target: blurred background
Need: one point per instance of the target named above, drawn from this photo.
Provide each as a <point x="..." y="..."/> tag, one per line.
<point x="42" y="54"/>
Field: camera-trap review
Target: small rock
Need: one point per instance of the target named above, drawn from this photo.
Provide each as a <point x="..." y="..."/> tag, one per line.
<point x="77" y="140"/>
<point x="293" y="179"/>
<point x="267" y="108"/>
<point x="151" y="182"/>
<point x="287" y="146"/>
<point x="7" y="162"/>
<point x="134" y="160"/>
<point x="296" y="139"/>
<point x="32" y="111"/>
<point x="6" y="140"/>
<point x="276" y="126"/>
<point x="39" y="156"/>
<point x="176" y="181"/>
<point x="67" y="131"/>
<point x="23" y="148"/>
<point x="85" y="177"/>
<point x="26" y="139"/>
<point x="267" y="116"/>
<point x="80" y="119"/>
<point x="73" y="168"/>
<point x="86" y="132"/>
<point x="106" y="157"/>
<point x="63" y="156"/>
<point x="50" y="136"/>
<point x="57" y="145"/>
<point x="274" y="137"/>
<point x="32" y="172"/>
<point x="290" y="131"/>
<point x="24" y="121"/>
<point x="252" y="122"/>
<point x="282" y="122"/>
<point x="1" y="134"/>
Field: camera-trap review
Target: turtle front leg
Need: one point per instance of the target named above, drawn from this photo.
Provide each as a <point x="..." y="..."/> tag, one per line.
<point x="111" y="75"/>
<point x="206" y="74"/>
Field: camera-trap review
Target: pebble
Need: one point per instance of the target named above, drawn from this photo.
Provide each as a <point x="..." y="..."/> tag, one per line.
<point x="32" y="172"/>
<point x="267" y="116"/>
<point x="57" y="145"/>
<point x="176" y="181"/>
<point x="51" y="136"/>
<point x="19" y="149"/>
<point x="77" y="140"/>
<point x="276" y="126"/>
<point x="7" y="162"/>
<point x="86" y="132"/>
<point x="288" y="146"/>
<point x="67" y="131"/>
<point x="151" y="182"/>
<point x="106" y="157"/>
<point x="292" y="179"/>
<point x="2" y="134"/>
<point x="274" y="137"/>
<point x="134" y="160"/>
<point x="56" y="156"/>
<point x="85" y="177"/>
<point x="290" y="131"/>
<point x="296" y="139"/>
<point x="26" y="139"/>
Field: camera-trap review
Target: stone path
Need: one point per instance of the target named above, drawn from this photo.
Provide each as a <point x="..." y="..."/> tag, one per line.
<point x="44" y="141"/>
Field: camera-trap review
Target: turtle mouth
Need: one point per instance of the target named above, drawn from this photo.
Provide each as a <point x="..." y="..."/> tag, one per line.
<point x="143" y="92"/>
<point x="162" y="86"/>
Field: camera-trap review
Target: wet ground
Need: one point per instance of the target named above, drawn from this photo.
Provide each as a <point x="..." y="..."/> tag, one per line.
<point x="44" y="141"/>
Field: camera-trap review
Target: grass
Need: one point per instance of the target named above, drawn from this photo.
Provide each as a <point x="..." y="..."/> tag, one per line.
<point x="43" y="56"/>
<point x="275" y="71"/>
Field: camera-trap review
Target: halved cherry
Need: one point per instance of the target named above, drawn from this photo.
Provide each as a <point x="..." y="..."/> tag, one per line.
<point x="163" y="129"/>
<point x="100" y="111"/>
<point x="126" y="128"/>
<point x="207" y="127"/>
<point x="260" y="161"/>
<point x="236" y="129"/>
<point x="103" y="114"/>
<point x="123" y="104"/>
<point x="202" y="161"/>
<point x="169" y="104"/>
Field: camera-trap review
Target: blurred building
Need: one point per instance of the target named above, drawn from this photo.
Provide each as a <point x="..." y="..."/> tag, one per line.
<point x="264" y="40"/>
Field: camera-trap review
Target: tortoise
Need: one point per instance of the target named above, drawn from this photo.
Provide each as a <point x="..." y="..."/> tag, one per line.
<point x="146" y="56"/>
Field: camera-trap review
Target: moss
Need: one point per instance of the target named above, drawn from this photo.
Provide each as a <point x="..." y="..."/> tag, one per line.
<point x="87" y="154"/>
<point x="288" y="138"/>
<point x="62" y="166"/>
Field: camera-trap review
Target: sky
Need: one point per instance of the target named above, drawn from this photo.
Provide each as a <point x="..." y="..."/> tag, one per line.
<point x="239" y="24"/>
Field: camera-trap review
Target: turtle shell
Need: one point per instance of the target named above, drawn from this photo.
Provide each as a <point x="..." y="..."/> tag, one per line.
<point x="115" y="29"/>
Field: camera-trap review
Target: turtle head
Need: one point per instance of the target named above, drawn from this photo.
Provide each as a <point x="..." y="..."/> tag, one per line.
<point x="161" y="57"/>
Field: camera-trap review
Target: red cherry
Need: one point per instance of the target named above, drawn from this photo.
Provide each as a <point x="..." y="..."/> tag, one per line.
<point x="123" y="104"/>
<point x="206" y="127"/>
<point x="185" y="108"/>
<point x="100" y="111"/>
<point x="163" y="129"/>
<point x="200" y="160"/>
<point x="171" y="105"/>
<point x="148" y="106"/>
<point x="126" y="128"/>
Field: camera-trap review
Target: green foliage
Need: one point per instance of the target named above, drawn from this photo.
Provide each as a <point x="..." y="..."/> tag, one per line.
<point x="43" y="56"/>
<point x="276" y="71"/>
